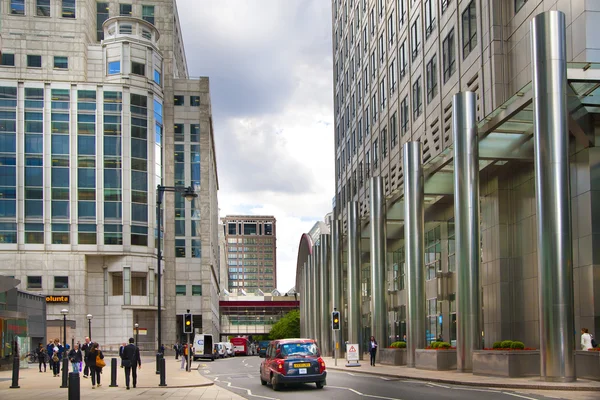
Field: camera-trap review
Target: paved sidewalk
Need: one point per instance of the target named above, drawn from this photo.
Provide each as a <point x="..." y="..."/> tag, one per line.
<point x="180" y="384"/>
<point x="457" y="378"/>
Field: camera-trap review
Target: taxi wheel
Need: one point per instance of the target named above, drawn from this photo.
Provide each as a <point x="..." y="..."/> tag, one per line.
<point x="320" y="384"/>
<point x="262" y="381"/>
<point x="276" y="386"/>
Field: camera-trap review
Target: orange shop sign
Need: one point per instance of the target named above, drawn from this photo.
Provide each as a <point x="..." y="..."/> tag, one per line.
<point x="57" y="299"/>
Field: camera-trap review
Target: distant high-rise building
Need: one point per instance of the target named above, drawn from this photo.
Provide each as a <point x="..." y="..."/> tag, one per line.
<point x="251" y="252"/>
<point x="96" y="110"/>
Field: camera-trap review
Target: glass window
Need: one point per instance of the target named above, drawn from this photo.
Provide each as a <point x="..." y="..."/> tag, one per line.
<point x="445" y="4"/>
<point x="42" y="8"/>
<point x="417" y="101"/>
<point x="117" y="284"/>
<point x="451" y="246"/>
<point x="125" y="9"/>
<point x="138" y="68"/>
<point x="60" y="232"/>
<point x="125" y="29"/>
<point x="17" y="7"/>
<point x="180" y="248"/>
<point x="148" y="14"/>
<point x="157" y="77"/>
<point x="194" y="101"/>
<point x="61" y="62"/>
<point x="113" y="234"/>
<point x="61" y="282"/>
<point x="180" y="290"/>
<point x="431" y="78"/>
<point x="34" y="233"/>
<point x="8" y="231"/>
<point x="429" y="18"/>
<point x="469" y="29"/>
<point x="114" y="67"/>
<point x="101" y="16"/>
<point x="449" y="55"/>
<point x="179" y="100"/>
<point x="68" y="8"/>
<point x="34" y="61"/>
<point x="138" y="286"/>
<point x="87" y="234"/>
<point x="34" y="282"/>
<point x="415" y="38"/>
<point x="139" y="234"/>
<point x="519" y="4"/>
<point x="196" y="290"/>
<point x="8" y="60"/>
<point x="433" y="252"/>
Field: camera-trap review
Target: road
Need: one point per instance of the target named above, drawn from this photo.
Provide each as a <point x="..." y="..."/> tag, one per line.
<point x="240" y="375"/>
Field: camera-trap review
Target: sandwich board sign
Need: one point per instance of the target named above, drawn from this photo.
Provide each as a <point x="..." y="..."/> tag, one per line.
<point x="352" y="355"/>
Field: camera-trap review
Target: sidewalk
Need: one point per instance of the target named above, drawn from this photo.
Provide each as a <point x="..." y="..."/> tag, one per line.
<point x="458" y="378"/>
<point x="180" y="384"/>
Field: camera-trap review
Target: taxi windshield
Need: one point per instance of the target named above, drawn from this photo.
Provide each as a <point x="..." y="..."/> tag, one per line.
<point x="299" y="349"/>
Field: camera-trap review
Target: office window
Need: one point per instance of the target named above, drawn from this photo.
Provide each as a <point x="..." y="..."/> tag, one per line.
<point x="87" y="233"/>
<point x="180" y="248"/>
<point x="417" y="101"/>
<point x="374" y="108"/>
<point x="382" y="93"/>
<point x="432" y="321"/>
<point x="194" y="101"/>
<point x="139" y="234"/>
<point x="68" y="8"/>
<point x="34" y="61"/>
<point x="34" y="233"/>
<point x="392" y="76"/>
<point x="469" y="29"/>
<point x="113" y="234"/>
<point x="8" y="60"/>
<point x="101" y="16"/>
<point x="138" y="286"/>
<point x="381" y="49"/>
<point x="34" y="282"/>
<point x="391" y="28"/>
<point x="431" y="78"/>
<point x="401" y="11"/>
<point x="519" y="4"/>
<point x="383" y="140"/>
<point x="415" y="38"/>
<point x="61" y="62"/>
<point x="451" y="246"/>
<point x="125" y="9"/>
<point x="402" y="60"/>
<point x="429" y="18"/>
<point x="394" y="130"/>
<point x="375" y="153"/>
<point x="61" y="282"/>
<point x="17" y="7"/>
<point x="60" y="232"/>
<point x="42" y="8"/>
<point x="445" y="4"/>
<point x="433" y="252"/>
<point x="8" y="231"/>
<point x="181" y="290"/>
<point x="138" y="68"/>
<point x="148" y="14"/>
<point x="114" y="67"/>
<point x="179" y="100"/>
<point x="449" y="55"/>
<point x="196" y="290"/>
<point x="157" y="77"/>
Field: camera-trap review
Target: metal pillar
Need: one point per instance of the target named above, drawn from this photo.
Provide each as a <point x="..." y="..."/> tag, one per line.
<point x="309" y="296"/>
<point x="354" y="296"/>
<point x="303" y="299"/>
<point x="414" y="227"/>
<point x="325" y="311"/>
<point x="466" y="217"/>
<point x="318" y="283"/>
<point x="553" y="198"/>
<point x="336" y="281"/>
<point x="378" y="263"/>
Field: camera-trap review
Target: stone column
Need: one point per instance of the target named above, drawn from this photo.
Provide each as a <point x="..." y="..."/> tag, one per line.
<point x="378" y="262"/>
<point x="326" y="309"/>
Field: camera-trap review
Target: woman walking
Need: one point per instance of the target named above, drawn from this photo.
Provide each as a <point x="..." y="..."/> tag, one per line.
<point x="586" y="339"/>
<point x="373" y="349"/>
<point x="41" y="355"/>
<point x="75" y="357"/>
<point x="92" y="361"/>
<point x="57" y="354"/>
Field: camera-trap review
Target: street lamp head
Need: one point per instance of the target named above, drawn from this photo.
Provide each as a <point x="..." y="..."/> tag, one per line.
<point x="64" y="311"/>
<point x="89" y="317"/>
<point x="136" y="325"/>
<point x="189" y="194"/>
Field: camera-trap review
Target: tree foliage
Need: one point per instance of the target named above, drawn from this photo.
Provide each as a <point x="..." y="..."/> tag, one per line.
<point x="286" y="327"/>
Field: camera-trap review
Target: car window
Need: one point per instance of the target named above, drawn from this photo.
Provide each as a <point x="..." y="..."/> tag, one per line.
<point x="299" y="349"/>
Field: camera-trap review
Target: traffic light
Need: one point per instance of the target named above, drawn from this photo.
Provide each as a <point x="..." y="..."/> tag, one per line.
<point x="188" y="324"/>
<point x="335" y="320"/>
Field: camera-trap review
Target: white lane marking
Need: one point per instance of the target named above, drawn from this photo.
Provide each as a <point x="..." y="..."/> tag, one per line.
<point x="438" y="385"/>
<point x="518" y="395"/>
<point x="248" y="391"/>
<point x="493" y="391"/>
<point x="364" y="394"/>
<point x="383" y="378"/>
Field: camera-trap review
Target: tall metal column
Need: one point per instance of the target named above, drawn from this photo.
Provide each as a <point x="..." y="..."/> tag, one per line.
<point x="325" y="311"/>
<point x="310" y="297"/>
<point x="378" y="262"/>
<point x="318" y="284"/>
<point x="553" y="198"/>
<point x="336" y="277"/>
<point x="354" y="297"/>
<point x="303" y="298"/>
<point x="466" y="217"/>
<point x="414" y="229"/>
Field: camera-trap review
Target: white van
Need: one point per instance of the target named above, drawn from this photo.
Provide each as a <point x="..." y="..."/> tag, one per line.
<point x="229" y="349"/>
<point x="220" y="350"/>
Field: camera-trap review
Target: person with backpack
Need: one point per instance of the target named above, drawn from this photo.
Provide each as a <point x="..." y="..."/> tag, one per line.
<point x="586" y="340"/>
<point x="95" y="361"/>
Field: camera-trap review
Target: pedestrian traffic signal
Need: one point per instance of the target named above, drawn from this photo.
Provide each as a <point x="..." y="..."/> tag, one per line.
<point x="188" y="324"/>
<point x="335" y="320"/>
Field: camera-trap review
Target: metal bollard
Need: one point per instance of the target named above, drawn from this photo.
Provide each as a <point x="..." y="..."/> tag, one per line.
<point x="113" y="373"/>
<point x="65" y="371"/>
<point x="15" y="372"/>
<point x="162" y="373"/>
<point x="158" y="358"/>
<point x="74" y="388"/>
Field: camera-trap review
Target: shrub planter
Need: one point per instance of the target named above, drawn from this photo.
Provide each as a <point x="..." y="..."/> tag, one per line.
<point x="587" y="364"/>
<point x="506" y="363"/>
<point x="391" y="356"/>
<point x="436" y="360"/>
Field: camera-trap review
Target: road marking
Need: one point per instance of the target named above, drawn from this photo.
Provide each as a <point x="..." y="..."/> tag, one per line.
<point x="518" y="395"/>
<point x="364" y="394"/>
<point x="438" y="385"/>
<point x="493" y="391"/>
<point x="248" y="391"/>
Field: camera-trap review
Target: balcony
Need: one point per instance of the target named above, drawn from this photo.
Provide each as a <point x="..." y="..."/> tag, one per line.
<point x="130" y="27"/>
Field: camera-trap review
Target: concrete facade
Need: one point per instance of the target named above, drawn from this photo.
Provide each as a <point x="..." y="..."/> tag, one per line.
<point x="133" y="119"/>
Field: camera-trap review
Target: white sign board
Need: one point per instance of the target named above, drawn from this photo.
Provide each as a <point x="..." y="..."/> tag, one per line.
<point x="351" y="352"/>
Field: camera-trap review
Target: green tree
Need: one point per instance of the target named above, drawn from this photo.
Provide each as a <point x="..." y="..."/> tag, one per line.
<point x="286" y="327"/>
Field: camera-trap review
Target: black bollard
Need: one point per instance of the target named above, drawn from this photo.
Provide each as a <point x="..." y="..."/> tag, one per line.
<point x="74" y="389"/>
<point x="113" y="372"/>
<point x="15" y="374"/>
<point x="158" y="358"/>
<point x="162" y="373"/>
<point x="65" y="371"/>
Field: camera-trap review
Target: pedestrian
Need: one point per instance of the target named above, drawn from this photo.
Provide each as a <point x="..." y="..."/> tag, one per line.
<point x="85" y="349"/>
<point x="41" y="355"/>
<point x="121" y="352"/>
<point x="176" y="348"/>
<point x="184" y="357"/>
<point x="75" y="356"/>
<point x="95" y="361"/>
<point x="57" y="353"/>
<point x="49" y="353"/>
<point x="440" y="338"/>
<point x="373" y="349"/>
<point x="586" y="339"/>
<point x="130" y="358"/>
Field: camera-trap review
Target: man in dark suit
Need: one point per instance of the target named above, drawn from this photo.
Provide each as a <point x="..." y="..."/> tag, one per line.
<point x="130" y="358"/>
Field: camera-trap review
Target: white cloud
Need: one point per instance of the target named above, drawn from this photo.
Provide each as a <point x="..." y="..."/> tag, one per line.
<point x="269" y="64"/>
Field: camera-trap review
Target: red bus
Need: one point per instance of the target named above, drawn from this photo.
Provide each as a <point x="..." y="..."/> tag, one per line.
<point x="240" y="346"/>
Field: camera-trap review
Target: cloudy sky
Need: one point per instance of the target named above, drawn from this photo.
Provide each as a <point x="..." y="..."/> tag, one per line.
<point x="270" y="69"/>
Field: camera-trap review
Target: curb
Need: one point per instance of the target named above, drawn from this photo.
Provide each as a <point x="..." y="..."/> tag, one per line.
<point x="478" y="384"/>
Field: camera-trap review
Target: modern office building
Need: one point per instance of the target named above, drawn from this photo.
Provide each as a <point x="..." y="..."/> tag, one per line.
<point x="97" y="109"/>
<point x="397" y="67"/>
<point x="251" y="252"/>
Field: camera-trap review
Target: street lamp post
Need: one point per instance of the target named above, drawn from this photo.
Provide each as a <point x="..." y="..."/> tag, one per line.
<point x="89" y="318"/>
<point x="65" y="359"/>
<point x="188" y="193"/>
<point x="136" y="332"/>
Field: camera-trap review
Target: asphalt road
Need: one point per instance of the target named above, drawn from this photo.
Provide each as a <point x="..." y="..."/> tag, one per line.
<point x="241" y="376"/>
